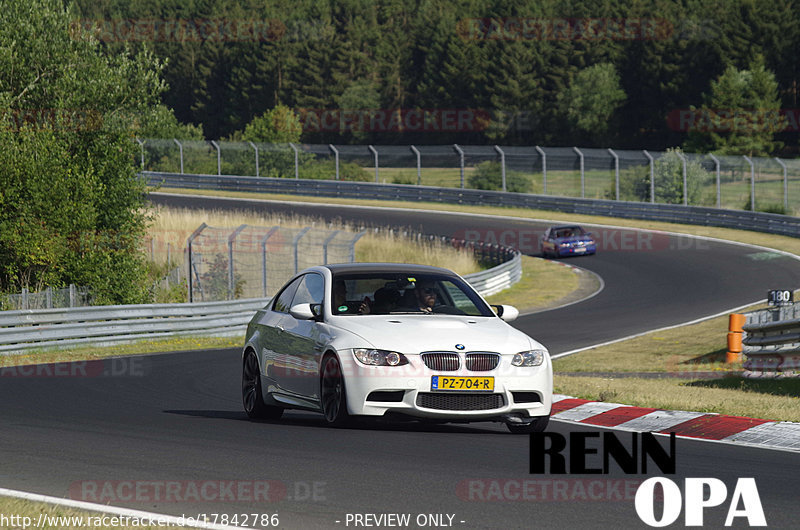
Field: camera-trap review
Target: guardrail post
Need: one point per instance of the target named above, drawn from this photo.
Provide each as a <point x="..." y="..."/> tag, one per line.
<point x="502" y="165"/>
<point x="353" y="245"/>
<point x="296" y="161"/>
<point x="219" y="157"/>
<point x="231" y="278"/>
<point x="264" y="257"/>
<point x="191" y="258"/>
<point x="719" y="190"/>
<point x="544" y="168"/>
<point x="616" y="170"/>
<point x="785" y="185"/>
<point x="752" y="183"/>
<point x="685" y="195"/>
<point x="375" y="154"/>
<point x="652" y="176"/>
<point x="419" y="164"/>
<point x="583" y="176"/>
<point x="255" y="148"/>
<point x="325" y="246"/>
<point x="461" y="158"/>
<point x="336" y="155"/>
<point x="296" y="243"/>
<point x="180" y="148"/>
<point x="141" y="144"/>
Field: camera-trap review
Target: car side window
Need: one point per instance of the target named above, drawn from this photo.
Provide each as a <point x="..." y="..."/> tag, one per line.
<point x="311" y="290"/>
<point x="283" y="301"/>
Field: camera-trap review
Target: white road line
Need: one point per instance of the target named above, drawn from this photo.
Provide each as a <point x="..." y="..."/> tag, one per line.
<point x="90" y="506"/>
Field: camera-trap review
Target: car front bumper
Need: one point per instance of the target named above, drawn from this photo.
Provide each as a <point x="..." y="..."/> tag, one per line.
<point x="519" y="392"/>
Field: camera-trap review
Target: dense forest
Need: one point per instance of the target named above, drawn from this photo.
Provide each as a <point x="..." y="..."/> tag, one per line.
<point x="621" y="73"/>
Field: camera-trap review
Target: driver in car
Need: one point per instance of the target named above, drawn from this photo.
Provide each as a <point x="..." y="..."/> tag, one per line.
<point x="426" y="296"/>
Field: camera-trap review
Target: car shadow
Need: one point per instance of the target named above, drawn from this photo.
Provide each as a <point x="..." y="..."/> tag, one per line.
<point x="302" y="419"/>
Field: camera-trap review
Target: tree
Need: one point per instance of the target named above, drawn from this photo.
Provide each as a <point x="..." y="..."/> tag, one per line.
<point x="71" y="207"/>
<point x="741" y="115"/>
<point x="279" y="125"/>
<point x="592" y="98"/>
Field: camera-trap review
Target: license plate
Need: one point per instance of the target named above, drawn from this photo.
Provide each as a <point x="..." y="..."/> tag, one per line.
<point x="580" y="249"/>
<point x="439" y="382"/>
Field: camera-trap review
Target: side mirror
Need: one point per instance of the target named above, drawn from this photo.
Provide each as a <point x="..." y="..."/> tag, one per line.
<point x="303" y="311"/>
<point x="508" y="313"/>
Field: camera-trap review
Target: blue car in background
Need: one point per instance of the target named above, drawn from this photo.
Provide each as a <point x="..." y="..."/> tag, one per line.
<point x="567" y="240"/>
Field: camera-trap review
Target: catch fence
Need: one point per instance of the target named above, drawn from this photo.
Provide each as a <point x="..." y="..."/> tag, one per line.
<point x="672" y="177"/>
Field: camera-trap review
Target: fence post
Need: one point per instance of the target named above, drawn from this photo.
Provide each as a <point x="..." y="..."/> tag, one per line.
<point x="72" y="295"/>
<point x="191" y="258"/>
<point x="719" y="191"/>
<point x="375" y="154"/>
<point x="219" y="157"/>
<point x="296" y="243"/>
<point x="264" y="257"/>
<point x="353" y="245"/>
<point x="325" y="246"/>
<point x="48" y="296"/>
<point x="502" y="165"/>
<point x="296" y="161"/>
<point x="335" y="154"/>
<point x="785" y="186"/>
<point x="652" y="176"/>
<point x="752" y="183"/>
<point x="231" y="279"/>
<point x="583" y="176"/>
<point x="180" y="148"/>
<point x="419" y="165"/>
<point x="683" y="161"/>
<point x="255" y="147"/>
<point x="141" y="144"/>
<point x="461" y="157"/>
<point x="616" y="170"/>
<point x="544" y="168"/>
<point x="24" y="298"/>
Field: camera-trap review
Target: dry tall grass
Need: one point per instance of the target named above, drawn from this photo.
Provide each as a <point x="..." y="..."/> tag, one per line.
<point x="171" y="227"/>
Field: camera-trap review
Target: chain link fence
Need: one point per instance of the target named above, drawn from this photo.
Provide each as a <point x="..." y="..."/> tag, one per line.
<point x="255" y="261"/>
<point x="732" y="182"/>
<point x="50" y="298"/>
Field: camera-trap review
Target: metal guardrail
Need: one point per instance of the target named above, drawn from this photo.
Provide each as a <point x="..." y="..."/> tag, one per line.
<point x="772" y="341"/>
<point x="673" y="213"/>
<point x="107" y="325"/>
<point x="496" y="279"/>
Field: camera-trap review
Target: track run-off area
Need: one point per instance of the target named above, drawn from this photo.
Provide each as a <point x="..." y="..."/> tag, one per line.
<point x="166" y="433"/>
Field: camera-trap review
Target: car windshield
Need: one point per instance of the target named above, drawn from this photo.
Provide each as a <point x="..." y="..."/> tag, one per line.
<point x="573" y="231"/>
<point x="402" y="293"/>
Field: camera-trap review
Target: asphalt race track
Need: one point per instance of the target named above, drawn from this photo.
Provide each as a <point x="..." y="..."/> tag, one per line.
<point x="167" y="434"/>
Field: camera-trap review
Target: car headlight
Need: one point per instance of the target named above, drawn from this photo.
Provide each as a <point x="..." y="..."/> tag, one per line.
<point x="529" y="358"/>
<point x="372" y="357"/>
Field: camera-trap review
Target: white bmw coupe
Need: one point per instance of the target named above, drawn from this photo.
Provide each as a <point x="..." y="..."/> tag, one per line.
<point x="382" y="339"/>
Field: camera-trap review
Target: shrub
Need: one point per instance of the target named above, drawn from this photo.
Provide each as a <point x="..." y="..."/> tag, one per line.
<point x="489" y="176"/>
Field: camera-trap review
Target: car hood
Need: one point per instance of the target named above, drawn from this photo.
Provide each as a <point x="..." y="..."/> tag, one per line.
<point x="412" y="334"/>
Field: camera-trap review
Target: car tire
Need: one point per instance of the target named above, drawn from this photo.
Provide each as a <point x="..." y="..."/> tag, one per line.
<point x="332" y="393"/>
<point x="537" y="425"/>
<point x="252" y="399"/>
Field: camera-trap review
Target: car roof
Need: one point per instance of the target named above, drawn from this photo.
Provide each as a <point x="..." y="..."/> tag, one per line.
<point x="557" y="227"/>
<point x="344" y="268"/>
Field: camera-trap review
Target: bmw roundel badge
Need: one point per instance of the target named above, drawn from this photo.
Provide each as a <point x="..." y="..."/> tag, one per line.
<point x="459" y="346"/>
